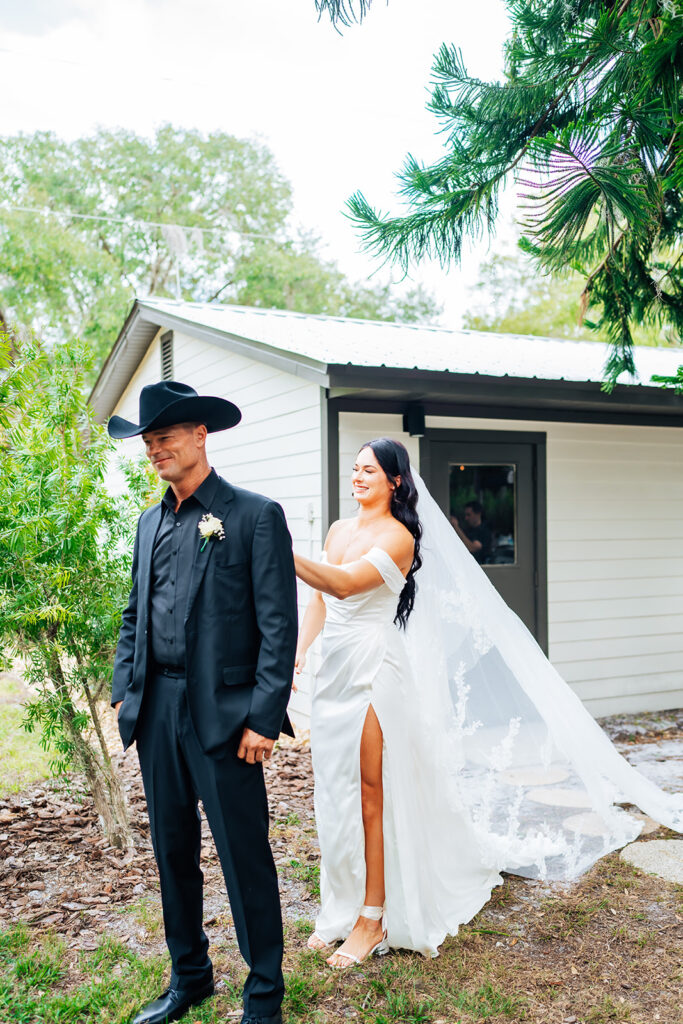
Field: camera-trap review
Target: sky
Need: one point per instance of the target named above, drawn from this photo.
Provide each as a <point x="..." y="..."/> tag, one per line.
<point x="339" y="111"/>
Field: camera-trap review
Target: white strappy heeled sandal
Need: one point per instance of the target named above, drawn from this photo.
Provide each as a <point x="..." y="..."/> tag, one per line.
<point x="316" y="941"/>
<point x="382" y="947"/>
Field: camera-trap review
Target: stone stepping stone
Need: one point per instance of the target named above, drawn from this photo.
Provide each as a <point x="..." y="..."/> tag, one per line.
<point x="591" y="824"/>
<point x="559" y="797"/>
<point x="649" y="824"/>
<point x="661" y="857"/>
<point x="588" y="824"/>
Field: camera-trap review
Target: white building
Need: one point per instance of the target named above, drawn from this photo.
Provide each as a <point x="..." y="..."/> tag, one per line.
<point x="583" y="490"/>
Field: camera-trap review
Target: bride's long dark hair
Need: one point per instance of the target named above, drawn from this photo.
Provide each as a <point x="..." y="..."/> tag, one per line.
<point x="395" y="461"/>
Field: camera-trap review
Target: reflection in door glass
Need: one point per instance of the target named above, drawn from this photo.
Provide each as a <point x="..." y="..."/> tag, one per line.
<point x="482" y="507"/>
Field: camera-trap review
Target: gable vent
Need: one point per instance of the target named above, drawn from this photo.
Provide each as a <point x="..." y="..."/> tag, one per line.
<point x="167" y="356"/>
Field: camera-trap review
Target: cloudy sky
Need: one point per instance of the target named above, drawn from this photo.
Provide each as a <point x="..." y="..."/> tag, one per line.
<point x="340" y="112"/>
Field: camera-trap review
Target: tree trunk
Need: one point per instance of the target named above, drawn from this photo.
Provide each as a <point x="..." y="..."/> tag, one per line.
<point x="104" y="787"/>
<point x="103" y="784"/>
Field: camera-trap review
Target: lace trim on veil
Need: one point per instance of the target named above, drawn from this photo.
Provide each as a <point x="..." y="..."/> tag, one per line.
<point x="517" y="751"/>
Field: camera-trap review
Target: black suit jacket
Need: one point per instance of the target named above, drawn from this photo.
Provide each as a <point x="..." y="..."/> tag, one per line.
<point x="240" y="624"/>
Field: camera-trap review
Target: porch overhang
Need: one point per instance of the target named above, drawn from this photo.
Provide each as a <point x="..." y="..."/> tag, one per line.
<point x="442" y="393"/>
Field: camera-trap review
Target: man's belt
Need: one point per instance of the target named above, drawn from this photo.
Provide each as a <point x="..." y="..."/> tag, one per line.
<point x="172" y="671"/>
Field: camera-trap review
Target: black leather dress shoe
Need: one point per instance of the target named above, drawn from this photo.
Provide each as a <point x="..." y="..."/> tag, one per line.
<point x="171" y="1005"/>
<point x="275" y="1018"/>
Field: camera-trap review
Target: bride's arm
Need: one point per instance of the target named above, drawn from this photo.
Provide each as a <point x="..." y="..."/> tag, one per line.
<point x="338" y="580"/>
<point x="355" y="577"/>
<point x="313" y="622"/>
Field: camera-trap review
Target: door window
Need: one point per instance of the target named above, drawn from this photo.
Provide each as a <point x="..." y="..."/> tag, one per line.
<point x="482" y="502"/>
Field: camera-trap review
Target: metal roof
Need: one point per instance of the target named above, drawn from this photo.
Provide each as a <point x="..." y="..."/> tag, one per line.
<point x="339" y="340"/>
<point x="327" y="349"/>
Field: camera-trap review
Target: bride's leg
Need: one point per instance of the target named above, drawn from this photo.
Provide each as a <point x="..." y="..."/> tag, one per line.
<point x="366" y="933"/>
<point x="372" y="799"/>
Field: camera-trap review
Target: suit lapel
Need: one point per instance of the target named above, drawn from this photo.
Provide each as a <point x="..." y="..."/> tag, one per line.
<point x="220" y="508"/>
<point x="151" y="524"/>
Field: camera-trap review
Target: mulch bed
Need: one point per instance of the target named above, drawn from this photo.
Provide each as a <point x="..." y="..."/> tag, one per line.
<point x="58" y="872"/>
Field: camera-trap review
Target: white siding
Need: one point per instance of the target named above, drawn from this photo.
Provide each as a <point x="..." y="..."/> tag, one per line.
<point x="275" y="449"/>
<point x="615" y="552"/>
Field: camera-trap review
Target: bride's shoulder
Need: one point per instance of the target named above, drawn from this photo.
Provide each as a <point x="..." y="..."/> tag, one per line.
<point x="398" y="531"/>
<point x="398" y="542"/>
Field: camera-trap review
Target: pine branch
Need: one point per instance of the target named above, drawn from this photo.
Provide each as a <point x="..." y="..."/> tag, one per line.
<point x="588" y="120"/>
<point x="342" y="12"/>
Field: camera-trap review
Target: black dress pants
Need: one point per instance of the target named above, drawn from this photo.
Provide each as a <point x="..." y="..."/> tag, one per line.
<point x="176" y="774"/>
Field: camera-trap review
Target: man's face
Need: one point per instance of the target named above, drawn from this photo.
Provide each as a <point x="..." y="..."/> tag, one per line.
<point x="175" y="451"/>
<point x="471" y="517"/>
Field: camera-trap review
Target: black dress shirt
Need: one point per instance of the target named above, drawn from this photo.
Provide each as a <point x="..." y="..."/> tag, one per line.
<point x="175" y="547"/>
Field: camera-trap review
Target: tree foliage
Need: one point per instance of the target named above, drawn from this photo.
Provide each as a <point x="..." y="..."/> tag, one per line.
<point x="587" y="122"/>
<point x="181" y="214"/>
<point x="64" y="559"/>
<point x="511" y="297"/>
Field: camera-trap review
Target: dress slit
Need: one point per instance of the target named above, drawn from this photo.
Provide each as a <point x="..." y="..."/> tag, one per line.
<point x="377" y="774"/>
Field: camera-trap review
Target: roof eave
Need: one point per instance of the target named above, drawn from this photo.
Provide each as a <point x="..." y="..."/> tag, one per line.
<point x="141" y="327"/>
<point x="349" y="381"/>
<point x="134" y="339"/>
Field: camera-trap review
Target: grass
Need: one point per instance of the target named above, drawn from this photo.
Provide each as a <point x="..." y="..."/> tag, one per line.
<point x="22" y="759"/>
<point x="488" y="1001"/>
<point x="606" y="1011"/>
<point x="564" y="919"/>
<point x="36" y="981"/>
<point x="309" y="874"/>
<point x="147" y="913"/>
<point x="43" y="982"/>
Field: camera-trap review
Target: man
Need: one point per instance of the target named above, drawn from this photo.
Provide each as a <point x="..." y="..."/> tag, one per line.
<point x="202" y="677"/>
<point x="475" y="534"/>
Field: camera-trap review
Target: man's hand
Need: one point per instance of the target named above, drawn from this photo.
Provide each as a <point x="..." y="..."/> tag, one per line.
<point x="117" y="708"/>
<point x="254" y="748"/>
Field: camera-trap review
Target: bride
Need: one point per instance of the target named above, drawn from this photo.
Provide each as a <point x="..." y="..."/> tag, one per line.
<point x="445" y="747"/>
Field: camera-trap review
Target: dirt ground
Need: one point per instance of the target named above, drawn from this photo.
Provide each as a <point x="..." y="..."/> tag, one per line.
<point x="606" y="948"/>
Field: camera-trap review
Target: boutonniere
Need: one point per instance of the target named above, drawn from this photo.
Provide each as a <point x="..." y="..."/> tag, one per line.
<point x="209" y="527"/>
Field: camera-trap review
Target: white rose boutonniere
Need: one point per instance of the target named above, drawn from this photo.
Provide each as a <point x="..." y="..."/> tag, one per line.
<point x="209" y="527"/>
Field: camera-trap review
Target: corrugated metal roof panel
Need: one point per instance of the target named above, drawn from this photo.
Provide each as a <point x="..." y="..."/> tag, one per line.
<point x="337" y="340"/>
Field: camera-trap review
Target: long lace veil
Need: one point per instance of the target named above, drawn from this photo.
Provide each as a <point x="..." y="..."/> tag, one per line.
<point x="516" y="750"/>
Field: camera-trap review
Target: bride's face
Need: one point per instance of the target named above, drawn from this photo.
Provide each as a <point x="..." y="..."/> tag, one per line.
<point x="369" y="481"/>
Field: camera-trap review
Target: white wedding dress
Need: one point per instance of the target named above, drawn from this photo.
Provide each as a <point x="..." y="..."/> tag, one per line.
<point x="490" y="761"/>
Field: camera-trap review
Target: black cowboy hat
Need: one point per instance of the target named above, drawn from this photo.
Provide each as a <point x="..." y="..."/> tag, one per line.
<point x="169" y="402"/>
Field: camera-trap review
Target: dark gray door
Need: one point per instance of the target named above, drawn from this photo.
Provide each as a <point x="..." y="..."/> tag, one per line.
<point x="489" y="484"/>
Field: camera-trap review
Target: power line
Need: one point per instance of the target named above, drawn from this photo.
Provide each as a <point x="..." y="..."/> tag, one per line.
<point x="90" y="66"/>
<point x="131" y="222"/>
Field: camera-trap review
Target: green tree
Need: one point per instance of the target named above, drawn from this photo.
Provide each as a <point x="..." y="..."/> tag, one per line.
<point x="203" y="218"/>
<point x="296" y="277"/>
<point x="64" y="560"/>
<point x="511" y="297"/>
<point x="587" y="123"/>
